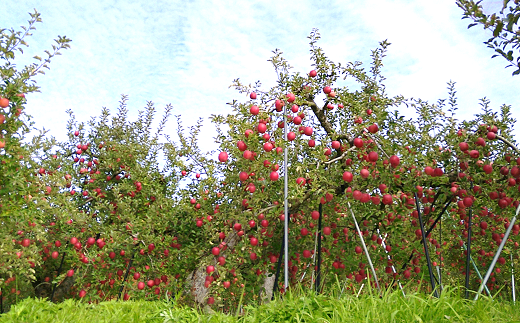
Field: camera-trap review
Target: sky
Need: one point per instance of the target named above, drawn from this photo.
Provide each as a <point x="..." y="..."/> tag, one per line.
<point x="187" y="53"/>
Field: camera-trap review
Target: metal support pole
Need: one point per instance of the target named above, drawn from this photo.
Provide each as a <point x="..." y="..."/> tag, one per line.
<point x="468" y="254"/>
<point x="426" y="252"/>
<point x="278" y="267"/>
<point x="495" y="259"/>
<point x="383" y="245"/>
<point x="285" y="203"/>
<point x="318" y="265"/>
<point x="59" y="272"/>
<point x="476" y="270"/>
<point x="513" y="279"/>
<point x="126" y="275"/>
<point x="364" y="247"/>
<point x="429" y="230"/>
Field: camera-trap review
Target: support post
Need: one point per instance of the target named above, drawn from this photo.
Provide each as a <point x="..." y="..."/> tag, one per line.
<point x="285" y="203"/>
<point x="278" y="267"/>
<point x="318" y="265"/>
<point x="513" y="279"/>
<point x="468" y="253"/>
<point x="426" y="252"/>
<point x="126" y="275"/>
<point x="497" y="254"/>
<point x="364" y="247"/>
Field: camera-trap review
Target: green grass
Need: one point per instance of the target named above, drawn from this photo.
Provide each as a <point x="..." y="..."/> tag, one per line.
<point x="298" y="306"/>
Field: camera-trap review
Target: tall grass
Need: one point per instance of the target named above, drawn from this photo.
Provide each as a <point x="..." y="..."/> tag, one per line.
<point x="296" y="306"/>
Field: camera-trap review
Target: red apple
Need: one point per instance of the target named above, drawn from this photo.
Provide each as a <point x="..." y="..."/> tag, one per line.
<point x="4" y="103"/>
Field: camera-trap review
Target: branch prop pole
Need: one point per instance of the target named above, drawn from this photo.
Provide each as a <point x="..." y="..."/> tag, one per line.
<point x="364" y="247"/>
<point x="318" y="265"/>
<point x="285" y="203"/>
<point x="126" y="275"/>
<point x="426" y="252"/>
<point x="383" y="245"/>
<point x="513" y="279"/>
<point x="476" y="269"/>
<point x="468" y="253"/>
<point x="59" y="272"/>
<point x="278" y="267"/>
<point x="429" y="230"/>
<point x="497" y="254"/>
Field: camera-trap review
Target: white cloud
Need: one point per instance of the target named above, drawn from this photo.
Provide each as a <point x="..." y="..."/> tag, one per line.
<point x="188" y="53"/>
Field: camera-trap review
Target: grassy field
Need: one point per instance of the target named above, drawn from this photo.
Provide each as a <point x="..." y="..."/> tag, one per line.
<point x="294" y="307"/>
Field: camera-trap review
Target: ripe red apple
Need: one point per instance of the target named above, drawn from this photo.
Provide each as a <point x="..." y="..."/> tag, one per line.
<point x="327" y="90"/>
<point x="474" y="154"/>
<point x="358" y="142"/>
<point x="274" y="176"/>
<point x="335" y="144"/>
<point x="2" y="118"/>
<point x="373" y="156"/>
<point x="313" y="73"/>
<point x="290" y="98"/>
<point x="291" y="136"/>
<point x="140" y="285"/>
<point x="70" y="273"/>
<point x="279" y="105"/>
<point x="261" y="128"/>
<point x="4" y="103"/>
<point x="308" y="131"/>
<point x="241" y="145"/>
<point x="223" y="157"/>
<point x="82" y="293"/>
<point x="491" y="135"/>
<point x="364" y="173"/>
<point x="328" y="152"/>
<point x="480" y="142"/>
<point x="373" y="128"/>
<point x="215" y="251"/>
<point x="488" y="169"/>
<point x="348" y="177"/>
<point x="358" y="249"/>
<point x="26" y="243"/>
<point x="243" y="176"/>
<point x="312" y="143"/>
<point x="463" y="146"/>
<point x="327" y="231"/>
<point x="387" y="199"/>
<point x="137" y="276"/>
<point x="252" y="96"/>
<point x="394" y="161"/>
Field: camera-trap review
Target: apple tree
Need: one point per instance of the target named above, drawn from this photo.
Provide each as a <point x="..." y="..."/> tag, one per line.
<point x="356" y="152"/>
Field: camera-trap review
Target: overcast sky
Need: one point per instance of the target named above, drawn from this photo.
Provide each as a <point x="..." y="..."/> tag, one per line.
<point x="188" y="52"/>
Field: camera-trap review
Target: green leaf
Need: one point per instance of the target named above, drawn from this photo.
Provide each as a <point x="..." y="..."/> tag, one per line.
<point x="472" y="25"/>
<point x="498" y="28"/>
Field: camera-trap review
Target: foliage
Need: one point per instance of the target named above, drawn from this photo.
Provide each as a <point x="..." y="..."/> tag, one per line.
<point x="100" y="217"/>
<point x="18" y="198"/>
<point x="297" y="306"/>
<point x="504" y="25"/>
